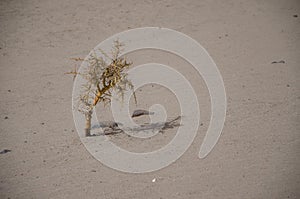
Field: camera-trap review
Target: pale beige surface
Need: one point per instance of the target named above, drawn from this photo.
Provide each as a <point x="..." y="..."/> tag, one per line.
<point x="258" y="153"/>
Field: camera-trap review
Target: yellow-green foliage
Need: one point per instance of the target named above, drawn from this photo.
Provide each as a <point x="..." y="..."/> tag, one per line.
<point x="102" y="77"/>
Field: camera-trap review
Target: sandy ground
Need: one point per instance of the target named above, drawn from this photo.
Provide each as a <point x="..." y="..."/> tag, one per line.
<point x="258" y="153"/>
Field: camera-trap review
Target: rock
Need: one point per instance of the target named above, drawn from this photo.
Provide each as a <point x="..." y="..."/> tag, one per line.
<point x="278" y="62"/>
<point x="5" y="151"/>
<point x="141" y="112"/>
<point x="109" y="124"/>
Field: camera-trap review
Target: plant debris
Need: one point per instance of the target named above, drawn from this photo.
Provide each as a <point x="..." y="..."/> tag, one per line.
<point x="161" y="126"/>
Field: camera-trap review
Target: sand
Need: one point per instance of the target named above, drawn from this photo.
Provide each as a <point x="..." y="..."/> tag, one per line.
<point x="258" y="153"/>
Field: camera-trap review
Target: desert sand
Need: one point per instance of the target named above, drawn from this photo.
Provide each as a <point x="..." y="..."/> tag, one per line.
<point x="255" y="45"/>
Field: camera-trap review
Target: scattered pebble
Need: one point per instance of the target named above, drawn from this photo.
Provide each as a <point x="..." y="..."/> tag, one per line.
<point x="6" y="118"/>
<point x="154" y="180"/>
<point x="9" y="90"/>
<point x="140" y="112"/>
<point x="93" y="170"/>
<point x="25" y="141"/>
<point x="295" y="15"/>
<point x="42" y="123"/>
<point x="201" y="124"/>
<point x="287" y="85"/>
<point x="5" y="151"/>
<point x="278" y="62"/>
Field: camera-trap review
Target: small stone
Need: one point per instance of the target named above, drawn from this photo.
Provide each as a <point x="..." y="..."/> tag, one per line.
<point x="6" y="118"/>
<point x="5" y="151"/>
<point x="140" y="112"/>
<point x="42" y="123"/>
<point x="9" y="90"/>
<point x="287" y="85"/>
<point x="278" y="62"/>
<point x="154" y="180"/>
<point x="25" y="141"/>
<point x="93" y="170"/>
<point x="295" y="16"/>
<point x="109" y="124"/>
